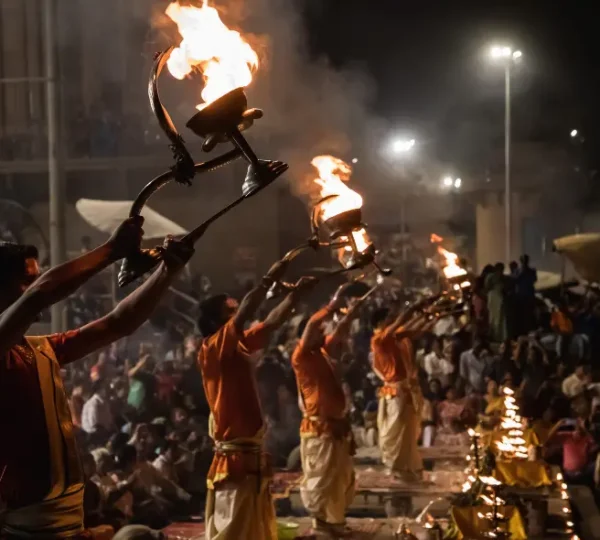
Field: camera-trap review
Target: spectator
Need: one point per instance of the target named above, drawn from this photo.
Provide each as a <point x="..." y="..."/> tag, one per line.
<point x="497" y="303"/>
<point x="96" y="417"/>
<point x="142" y="385"/>
<point x="578" y="449"/>
<point x="474" y="363"/>
<point x="166" y="462"/>
<point x="525" y="285"/>
<point x="576" y="383"/>
<point x="437" y="365"/>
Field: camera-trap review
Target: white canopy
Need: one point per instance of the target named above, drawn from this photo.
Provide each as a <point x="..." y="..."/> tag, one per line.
<point x="106" y="216"/>
<point x="583" y="250"/>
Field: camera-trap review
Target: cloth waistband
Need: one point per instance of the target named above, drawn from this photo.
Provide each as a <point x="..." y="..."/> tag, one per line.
<point x="229" y="447"/>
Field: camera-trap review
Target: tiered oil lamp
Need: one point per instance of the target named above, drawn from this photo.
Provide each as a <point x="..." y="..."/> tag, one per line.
<point x="498" y="521"/>
<point x="222" y="120"/>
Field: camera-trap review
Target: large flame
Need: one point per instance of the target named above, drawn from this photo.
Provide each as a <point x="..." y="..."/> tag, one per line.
<point x="333" y="173"/>
<point x="225" y="59"/>
<point x="451" y="269"/>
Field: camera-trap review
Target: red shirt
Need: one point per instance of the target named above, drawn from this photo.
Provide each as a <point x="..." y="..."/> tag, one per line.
<point x="24" y="454"/>
<point x="577" y="450"/>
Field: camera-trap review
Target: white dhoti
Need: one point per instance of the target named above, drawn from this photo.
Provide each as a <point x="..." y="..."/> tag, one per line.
<point x="399" y="424"/>
<point x="243" y="508"/>
<point x="327" y="489"/>
<point x="235" y="511"/>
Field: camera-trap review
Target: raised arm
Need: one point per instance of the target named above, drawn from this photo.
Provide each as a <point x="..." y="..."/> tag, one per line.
<point x="281" y="312"/>
<point x="131" y="312"/>
<point x="343" y="328"/>
<point x="256" y="296"/>
<point x="63" y="280"/>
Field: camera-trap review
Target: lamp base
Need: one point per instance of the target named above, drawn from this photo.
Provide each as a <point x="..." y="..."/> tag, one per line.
<point x="345" y="223"/>
<point x="137" y="264"/>
<point x="262" y="175"/>
<point x="220" y="116"/>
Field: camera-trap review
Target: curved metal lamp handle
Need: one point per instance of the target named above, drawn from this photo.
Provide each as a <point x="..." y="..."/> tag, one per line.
<point x="142" y="261"/>
<point x="184" y="164"/>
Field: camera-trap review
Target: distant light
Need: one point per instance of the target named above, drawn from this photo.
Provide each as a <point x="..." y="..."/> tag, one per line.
<point x="448" y="181"/>
<point x="355" y="160"/>
<point x="403" y="145"/>
<point x="497" y="52"/>
<point x="574" y="133"/>
<point x="458" y="183"/>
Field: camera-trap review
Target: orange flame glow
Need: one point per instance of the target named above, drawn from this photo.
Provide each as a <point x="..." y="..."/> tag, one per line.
<point x="225" y="59"/>
<point x="452" y="268"/>
<point x="333" y="173"/>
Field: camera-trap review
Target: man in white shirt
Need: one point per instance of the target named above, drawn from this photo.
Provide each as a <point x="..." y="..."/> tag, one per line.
<point x="96" y="417"/>
<point x="436" y="365"/>
<point x="446" y="326"/>
<point x="576" y="383"/>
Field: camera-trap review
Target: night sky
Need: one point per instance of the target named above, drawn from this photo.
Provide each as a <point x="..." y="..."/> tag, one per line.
<point x="428" y="61"/>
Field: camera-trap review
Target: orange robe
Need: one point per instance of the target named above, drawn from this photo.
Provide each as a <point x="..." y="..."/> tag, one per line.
<point x="327" y="487"/>
<point x="239" y="503"/>
<point x="400" y="403"/>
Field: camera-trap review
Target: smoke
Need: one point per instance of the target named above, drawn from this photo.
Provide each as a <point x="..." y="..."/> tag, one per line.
<point x="310" y="108"/>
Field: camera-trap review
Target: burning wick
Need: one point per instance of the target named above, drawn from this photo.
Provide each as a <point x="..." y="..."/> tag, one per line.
<point x="225" y="59"/>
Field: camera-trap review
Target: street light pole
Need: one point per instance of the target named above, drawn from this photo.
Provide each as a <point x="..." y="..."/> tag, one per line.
<point x="507" y="186"/>
<point x="508" y="56"/>
<point x="55" y="179"/>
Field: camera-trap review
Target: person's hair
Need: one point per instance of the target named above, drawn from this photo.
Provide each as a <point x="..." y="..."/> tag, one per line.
<point x="97" y="386"/>
<point x="126" y="455"/>
<point x="379" y="315"/>
<point x="499" y="267"/>
<point x="12" y="259"/>
<point x="524" y="259"/>
<point x="209" y="317"/>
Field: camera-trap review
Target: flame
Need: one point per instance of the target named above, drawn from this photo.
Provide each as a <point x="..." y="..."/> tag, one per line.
<point x="435" y="239"/>
<point x="333" y="173"/>
<point x="452" y="269"/>
<point x="225" y="59"/>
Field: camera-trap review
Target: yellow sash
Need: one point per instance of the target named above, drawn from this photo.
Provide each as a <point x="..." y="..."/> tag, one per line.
<point x="60" y="514"/>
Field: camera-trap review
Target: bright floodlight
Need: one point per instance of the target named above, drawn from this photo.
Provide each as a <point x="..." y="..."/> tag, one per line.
<point x="504" y="52"/>
<point x="458" y="183"/>
<point x="448" y="181"/>
<point x="574" y="133"/>
<point x="403" y="145"/>
<point x="355" y="160"/>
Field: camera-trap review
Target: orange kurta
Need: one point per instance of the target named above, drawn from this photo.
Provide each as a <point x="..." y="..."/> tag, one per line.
<point x="392" y="359"/>
<point x="320" y="387"/>
<point x="230" y="387"/>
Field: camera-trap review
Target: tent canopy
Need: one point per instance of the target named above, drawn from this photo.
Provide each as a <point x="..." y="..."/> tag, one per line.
<point x="583" y="250"/>
<point x="106" y="216"/>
